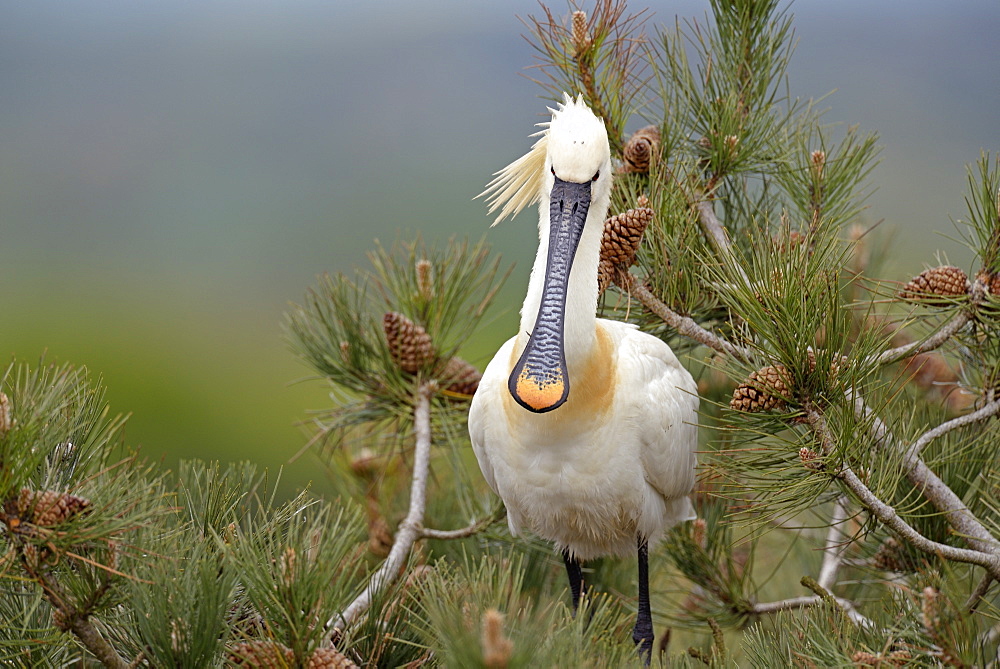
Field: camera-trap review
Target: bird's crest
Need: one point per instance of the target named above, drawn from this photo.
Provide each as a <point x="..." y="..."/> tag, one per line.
<point x="520" y="184"/>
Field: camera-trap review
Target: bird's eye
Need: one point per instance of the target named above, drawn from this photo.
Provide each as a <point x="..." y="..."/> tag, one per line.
<point x="553" y="170"/>
<point x="596" y="174"/>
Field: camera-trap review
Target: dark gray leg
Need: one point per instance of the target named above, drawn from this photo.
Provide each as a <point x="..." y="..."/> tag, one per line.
<point x="642" y="634"/>
<point x="574" y="569"/>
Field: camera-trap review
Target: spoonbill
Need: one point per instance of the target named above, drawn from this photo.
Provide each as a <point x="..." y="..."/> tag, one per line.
<point x="585" y="427"/>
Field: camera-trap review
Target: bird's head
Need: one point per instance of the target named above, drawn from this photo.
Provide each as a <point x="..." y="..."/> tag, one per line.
<point x="577" y="149"/>
<point x="572" y="147"/>
<point x="569" y="171"/>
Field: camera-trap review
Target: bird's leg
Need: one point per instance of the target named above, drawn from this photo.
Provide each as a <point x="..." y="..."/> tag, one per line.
<point x="642" y="634"/>
<point x="574" y="569"/>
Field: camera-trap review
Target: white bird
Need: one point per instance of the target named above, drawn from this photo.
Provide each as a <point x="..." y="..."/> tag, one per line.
<point x="585" y="427"/>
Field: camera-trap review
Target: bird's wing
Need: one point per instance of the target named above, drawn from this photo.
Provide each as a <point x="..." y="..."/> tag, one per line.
<point x="487" y="423"/>
<point x="664" y="398"/>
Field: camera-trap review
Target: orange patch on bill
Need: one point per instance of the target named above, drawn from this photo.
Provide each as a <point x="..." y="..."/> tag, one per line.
<point x="540" y="395"/>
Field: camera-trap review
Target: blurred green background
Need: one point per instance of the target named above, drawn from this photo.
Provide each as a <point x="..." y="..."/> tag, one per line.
<point x="173" y="174"/>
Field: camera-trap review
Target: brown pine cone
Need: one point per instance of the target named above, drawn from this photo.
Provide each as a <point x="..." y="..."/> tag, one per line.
<point x="810" y="459"/>
<point x="640" y="149"/>
<point x="764" y="390"/>
<point x="605" y="275"/>
<point x="47" y="508"/>
<point x="946" y="281"/>
<point x="460" y="377"/>
<point x="623" y="234"/>
<point x="366" y="464"/>
<point x="329" y="658"/>
<point x="59" y="620"/>
<point x="262" y="654"/>
<point x="409" y="344"/>
<point x="991" y="281"/>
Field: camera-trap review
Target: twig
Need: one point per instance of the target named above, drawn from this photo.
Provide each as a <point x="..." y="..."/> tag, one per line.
<point x="793" y="603"/>
<point x="411" y="528"/>
<point x="977" y="595"/>
<point x="713" y="229"/>
<point x="990" y="409"/>
<point x="460" y="533"/>
<point x="716" y="234"/>
<point x="930" y="484"/>
<point x="78" y="623"/>
<point x="684" y="325"/>
<point x="888" y="516"/>
<point x="833" y="548"/>
<point x="947" y="331"/>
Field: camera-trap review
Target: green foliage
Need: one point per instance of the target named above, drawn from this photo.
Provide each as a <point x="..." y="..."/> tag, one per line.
<point x="62" y="431"/>
<point x="835" y="519"/>
<point x="605" y="62"/>
<point x="477" y="614"/>
<point x="183" y="622"/>
<point x="338" y="331"/>
<point x="26" y="616"/>
<point x="983" y="203"/>
<point x="298" y="568"/>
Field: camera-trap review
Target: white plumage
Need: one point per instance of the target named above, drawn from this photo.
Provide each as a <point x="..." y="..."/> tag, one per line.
<point x="619" y="456"/>
<point x="596" y="472"/>
<point x="585" y="427"/>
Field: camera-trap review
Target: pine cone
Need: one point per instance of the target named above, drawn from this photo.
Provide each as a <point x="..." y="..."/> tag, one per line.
<point x="329" y="658"/>
<point x="409" y="344"/>
<point x="991" y="281"/>
<point x="366" y="464"/>
<point x="946" y="281"/>
<point x="623" y="234"/>
<point x="47" y="508"/>
<point x="581" y="41"/>
<point x="461" y="377"/>
<point x="810" y="459"/>
<point x="262" y="655"/>
<point x="497" y="648"/>
<point x="764" y="390"/>
<point x="605" y="275"/>
<point x="640" y="149"/>
<point x="59" y="620"/>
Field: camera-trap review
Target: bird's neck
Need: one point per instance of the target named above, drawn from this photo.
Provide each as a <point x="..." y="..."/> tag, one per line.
<point x="581" y="294"/>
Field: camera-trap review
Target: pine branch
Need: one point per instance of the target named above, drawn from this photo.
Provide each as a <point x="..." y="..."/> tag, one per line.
<point x="986" y="411"/>
<point x="716" y="234"/>
<point x="979" y="592"/>
<point x="461" y="533"/>
<point x="684" y="325"/>
<point x="411" y="528"/>
<point x="947" y="331"/>
<point x="888" y="515"/>
<point x="931" y="486"/>
<point x="712" y="227"/>
<point x="77" y="621"/>
<point x="793" y="603"/>
<point x="833" y="548"/>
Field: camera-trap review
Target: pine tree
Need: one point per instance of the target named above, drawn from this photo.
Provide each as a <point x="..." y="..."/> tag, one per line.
<point x="847" y="501"/>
